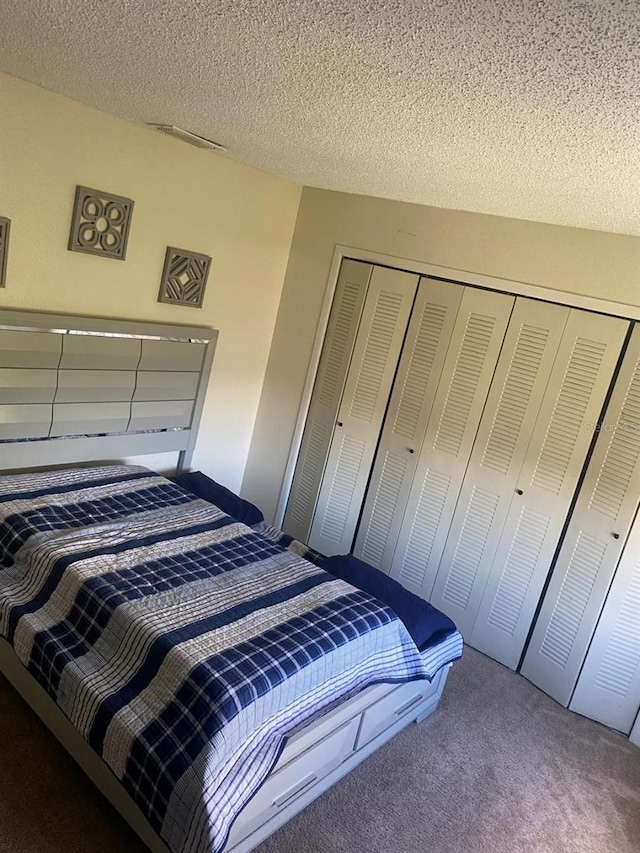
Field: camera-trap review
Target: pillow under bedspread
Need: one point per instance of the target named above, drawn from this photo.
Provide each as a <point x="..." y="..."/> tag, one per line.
<point x="426" y="625"/>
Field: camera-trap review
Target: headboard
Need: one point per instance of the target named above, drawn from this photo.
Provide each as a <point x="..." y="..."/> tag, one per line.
<point x="74" y="389"/>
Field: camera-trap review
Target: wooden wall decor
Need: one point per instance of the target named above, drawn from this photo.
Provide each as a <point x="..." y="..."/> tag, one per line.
<point x="184" y="277"/>
<point x="100" y="223"/>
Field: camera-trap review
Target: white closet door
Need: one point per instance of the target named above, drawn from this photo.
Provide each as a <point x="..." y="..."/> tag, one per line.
<point x="348" y="302"/>
<point x="540" y="500"/>
<point x="608" y="689"/>
<point x="366" y="394"/>
<point x="423" y="355"/>
<point x="592" y="545"/>
<point x="466" y="376"/>
<point x="517" y="391"/>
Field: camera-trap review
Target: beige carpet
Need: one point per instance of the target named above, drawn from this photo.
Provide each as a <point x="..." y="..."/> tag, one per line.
<point x="499" y="768"/>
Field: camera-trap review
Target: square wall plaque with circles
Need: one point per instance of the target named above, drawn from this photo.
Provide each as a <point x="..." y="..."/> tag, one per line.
<point x="100" y="223"/>
<point x="184" y="277"/>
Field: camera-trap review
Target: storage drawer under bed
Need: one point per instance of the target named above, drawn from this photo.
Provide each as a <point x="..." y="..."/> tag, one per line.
<point x="296" y="777"/>
<point x="394" y="706"/>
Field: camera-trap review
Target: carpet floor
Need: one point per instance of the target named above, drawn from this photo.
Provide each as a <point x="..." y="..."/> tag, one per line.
<point x="499" y="768"/>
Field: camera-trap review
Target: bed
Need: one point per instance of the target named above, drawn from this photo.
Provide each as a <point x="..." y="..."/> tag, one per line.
<point x="211" y="676"/>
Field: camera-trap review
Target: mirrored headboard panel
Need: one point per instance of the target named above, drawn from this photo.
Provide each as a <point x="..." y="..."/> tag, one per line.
<point x="75" y="389"/>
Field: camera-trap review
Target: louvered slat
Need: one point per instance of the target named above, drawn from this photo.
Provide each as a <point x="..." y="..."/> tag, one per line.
<point x="557" y="437"/>
<point x="341" y="487"/>
<point x="608" y="689"/>
<point x="375" y="356"/>
<point x="426" y="357"/>
<point x="515" y="397"/>
<point x="373" y="364"/>
<point x="467" y="555"/>
<point x="464" y="382"/>
<point x="459" y="398"/>
<point x="567" y="417"/>
<point x="342" y="327"/>
<point x="419" y="371"/>
<point x="510" y="413"/>
<point x="515" y="578"/>
<point x="384" y="500"/>
<point x="423" y="534"/>
<point x="571" y="600"/>
<point x="590" y="550"/>
<point x="306" y="486"/>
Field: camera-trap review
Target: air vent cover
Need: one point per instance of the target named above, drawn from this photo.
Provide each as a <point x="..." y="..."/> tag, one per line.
<point x="187" y="136"/>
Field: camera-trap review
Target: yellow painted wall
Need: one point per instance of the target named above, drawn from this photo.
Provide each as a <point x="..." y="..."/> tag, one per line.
<point x="569" y="259"/>
<point x="183" y="197"/>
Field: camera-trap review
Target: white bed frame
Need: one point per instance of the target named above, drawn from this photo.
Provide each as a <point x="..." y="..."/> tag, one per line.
<point x="312" y="761"/>
<point x="85" y="389"/>
<point x="315" y="757"/>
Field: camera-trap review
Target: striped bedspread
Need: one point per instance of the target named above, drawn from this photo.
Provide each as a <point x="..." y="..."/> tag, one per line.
<point x="183" y="645"/>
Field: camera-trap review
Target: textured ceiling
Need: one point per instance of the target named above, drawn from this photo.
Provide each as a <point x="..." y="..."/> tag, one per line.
<point x="523" y="108"/>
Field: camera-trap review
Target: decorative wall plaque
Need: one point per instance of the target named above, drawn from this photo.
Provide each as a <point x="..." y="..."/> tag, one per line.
<point x="100" y="223"/>
<point x="5" y="227"/>
<point x="184" y="277"/>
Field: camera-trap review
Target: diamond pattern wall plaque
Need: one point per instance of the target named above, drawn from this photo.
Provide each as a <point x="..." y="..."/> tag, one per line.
<point x="100" y="223"/>
<point x="5" y="225"/>
<point x="184" y="277"/>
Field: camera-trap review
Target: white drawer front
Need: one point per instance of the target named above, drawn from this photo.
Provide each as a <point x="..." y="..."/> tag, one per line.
<point x="398" y="704"/>
<point x="295" y="778"/>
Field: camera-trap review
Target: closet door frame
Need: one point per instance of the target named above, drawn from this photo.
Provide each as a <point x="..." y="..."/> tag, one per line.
<point x="341" y="252"/>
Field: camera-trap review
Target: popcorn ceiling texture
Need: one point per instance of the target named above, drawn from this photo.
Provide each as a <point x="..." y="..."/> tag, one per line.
<point x="521" y="108"/>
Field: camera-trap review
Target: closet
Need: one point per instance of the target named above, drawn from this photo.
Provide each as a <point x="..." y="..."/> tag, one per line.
<point x="551" y="380"/>
<point x="361" y="410"/>
<point x="364" y="336"/>
<point x="447" y="436"/>
<point x="608" y="689"/>
<point x="590" y="613"/>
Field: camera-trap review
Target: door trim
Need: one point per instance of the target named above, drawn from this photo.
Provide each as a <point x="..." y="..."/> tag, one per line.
<point x="469" y="279"/>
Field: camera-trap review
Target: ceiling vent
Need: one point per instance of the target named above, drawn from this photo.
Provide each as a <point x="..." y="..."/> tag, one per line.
<point x="187" y="136"/>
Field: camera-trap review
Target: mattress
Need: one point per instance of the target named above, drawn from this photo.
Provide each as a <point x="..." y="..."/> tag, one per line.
<point x="183" y="645"/>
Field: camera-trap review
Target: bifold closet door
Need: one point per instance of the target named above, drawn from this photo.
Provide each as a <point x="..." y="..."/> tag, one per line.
<point x="593" y="543"/>
<point x="449" y="433"/>
<point x="498" y="557"/>
<point x="425" y="349"/>
<point x="344" y="318"/>
<point x="608" y="689"/>
<point x="357" y="428"/>
<point x="513" y="404"/>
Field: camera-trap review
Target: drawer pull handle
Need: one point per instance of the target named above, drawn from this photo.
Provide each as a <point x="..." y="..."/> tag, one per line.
<point x="408" y="705"/>
<point x="293" y="792"/>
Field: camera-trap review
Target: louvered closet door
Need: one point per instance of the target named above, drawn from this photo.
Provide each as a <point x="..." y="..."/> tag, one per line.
<point x="451" y="429"/>
<point x="516" y="395"/>
<point x="366" y="393"/>
<point x="608" y="689"/>
<point x="432" y="322"/>
<point x="344" y="318"/>
<point x="593" y="543"/>
<point x="540" y="499"/>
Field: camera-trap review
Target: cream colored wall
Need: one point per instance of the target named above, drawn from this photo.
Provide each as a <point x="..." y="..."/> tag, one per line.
<point x="569" y="259"/>
<point x="183" y="197"/>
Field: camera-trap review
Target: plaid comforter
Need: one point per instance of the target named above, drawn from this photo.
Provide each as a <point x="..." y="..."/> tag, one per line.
<point x="183" y="645"/>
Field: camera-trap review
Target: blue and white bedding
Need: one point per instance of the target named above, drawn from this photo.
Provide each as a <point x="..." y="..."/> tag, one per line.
<point x="182" y="644"/>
